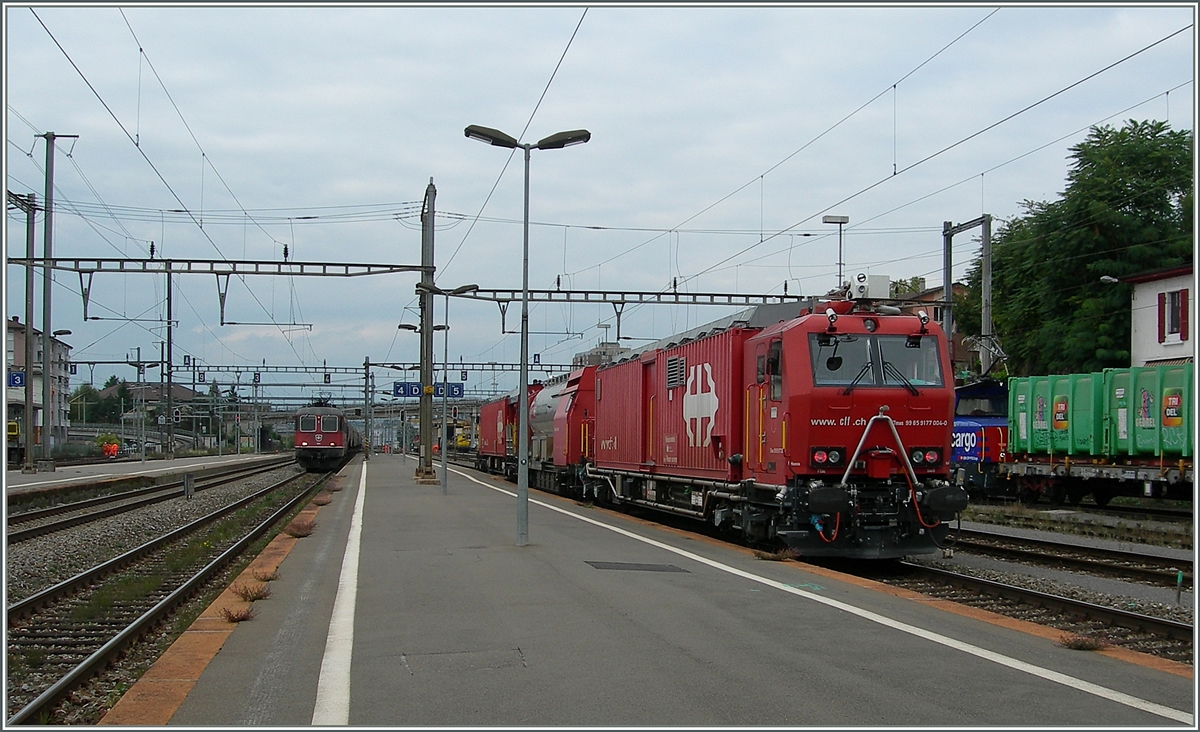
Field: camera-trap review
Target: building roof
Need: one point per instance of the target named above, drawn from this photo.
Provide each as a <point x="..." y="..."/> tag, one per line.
<point x="1154" y="275"/>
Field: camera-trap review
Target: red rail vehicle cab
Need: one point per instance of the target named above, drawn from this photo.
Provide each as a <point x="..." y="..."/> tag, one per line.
<point x="323" y="437"/>
<point x="575" y="419"/>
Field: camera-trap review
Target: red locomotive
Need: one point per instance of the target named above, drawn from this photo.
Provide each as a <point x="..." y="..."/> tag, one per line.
<point x="827" y="431"/>
<point x="324" y="437"/>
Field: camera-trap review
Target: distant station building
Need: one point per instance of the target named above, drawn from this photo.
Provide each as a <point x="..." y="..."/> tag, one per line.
<point x="606" y="352"/>
<point x="18" y="370"/>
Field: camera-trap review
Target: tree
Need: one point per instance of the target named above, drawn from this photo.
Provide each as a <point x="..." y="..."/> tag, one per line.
<point x="109" y="409"/>
<point x="907" y="287"/>
<point x="1127" y="208"/>
<point x="84" y="403"/>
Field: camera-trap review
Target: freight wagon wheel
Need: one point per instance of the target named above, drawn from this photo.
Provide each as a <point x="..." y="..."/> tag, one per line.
<point x="1055" y="492"/>
<point x="1027" y="495"/>
<point x="1076" y="490"/>
<point x="1102" y="496"/>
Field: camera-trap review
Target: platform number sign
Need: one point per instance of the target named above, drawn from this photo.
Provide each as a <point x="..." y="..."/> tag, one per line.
<point x="16" y="379"/>
<point x="463" y="376"/>
<point x="201" y="376"/>
<point x="257" y="377"/>
<point x="326" y="378"/>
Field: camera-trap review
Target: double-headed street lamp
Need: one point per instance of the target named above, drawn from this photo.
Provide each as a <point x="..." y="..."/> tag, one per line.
<point x="553" y="142"/>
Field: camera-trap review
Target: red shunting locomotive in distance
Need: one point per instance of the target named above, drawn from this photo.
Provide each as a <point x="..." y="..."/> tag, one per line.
<point x="324" y="438"/>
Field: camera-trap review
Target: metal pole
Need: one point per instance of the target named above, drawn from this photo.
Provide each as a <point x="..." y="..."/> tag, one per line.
<point x="523" y="395"/>
<point x="28" y="429"/>
<point x="947" y="299"/>
<point x="367" y="407"/>
<point x="170" y="451"/>
<point x="47" y="250"/>
<point x="985" y="354"/>
<point x="445" y="387"/>
<point x="841" y="264"/>
<point x="425" y="402"/>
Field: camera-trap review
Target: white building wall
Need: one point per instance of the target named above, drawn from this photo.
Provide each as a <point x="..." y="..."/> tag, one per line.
<point x="1144" y="345"/>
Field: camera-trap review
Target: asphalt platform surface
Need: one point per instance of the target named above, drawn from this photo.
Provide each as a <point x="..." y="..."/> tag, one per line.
<point x="608" y="620"/>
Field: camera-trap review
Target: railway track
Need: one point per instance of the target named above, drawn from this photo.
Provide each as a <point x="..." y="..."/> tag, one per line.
<point x="38" y="522"/>
<point x="60" y="637"/>
<point x="1129" y="565"/>
<point x="1107" y="625"/>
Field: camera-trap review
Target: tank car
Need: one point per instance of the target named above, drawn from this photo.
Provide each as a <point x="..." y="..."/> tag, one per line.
<point x="324" y="438"/>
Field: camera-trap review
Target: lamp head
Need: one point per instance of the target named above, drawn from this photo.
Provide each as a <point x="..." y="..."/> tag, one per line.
<point x="564" y="139"/>
<point x="490" y="136"/>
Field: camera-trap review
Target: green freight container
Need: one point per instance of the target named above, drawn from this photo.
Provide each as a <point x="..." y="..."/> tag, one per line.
<point x="1029" y="414"/>
<point x="1149" y="410"/>
<point x="1077" y="416"/>
<point x="1057" y="415"/>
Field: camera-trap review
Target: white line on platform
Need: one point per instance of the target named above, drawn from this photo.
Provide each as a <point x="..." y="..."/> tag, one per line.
<point x="1013" y="663"/>
<point x="333" y="687"/>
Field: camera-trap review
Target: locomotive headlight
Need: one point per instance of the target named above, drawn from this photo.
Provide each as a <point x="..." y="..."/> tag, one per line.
<point x="917" y="455"/>
<point x="870" y="324"/>
<point x="820" y="457"/>
<point x="835" y="457"/>
<point x="932" y="457"/>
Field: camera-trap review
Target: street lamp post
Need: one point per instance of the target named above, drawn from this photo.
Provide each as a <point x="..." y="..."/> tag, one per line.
<point x="553" y="142"/>
<point x="840" y="221"/>
<point x="461" y="290"/>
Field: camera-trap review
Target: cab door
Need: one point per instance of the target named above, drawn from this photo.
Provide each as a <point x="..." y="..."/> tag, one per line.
<point x="773" y="409"/>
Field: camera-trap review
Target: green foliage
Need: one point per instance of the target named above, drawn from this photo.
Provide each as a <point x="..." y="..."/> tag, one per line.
<point x="84" y="401"/>
<point x="107" y="438"/>
<point x="108" y="410"/>
<point x="1127" y="209"/>
<point x="907" y="287"/>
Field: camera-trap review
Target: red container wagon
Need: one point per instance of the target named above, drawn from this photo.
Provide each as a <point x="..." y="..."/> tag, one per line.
<point x="623" y="421"/>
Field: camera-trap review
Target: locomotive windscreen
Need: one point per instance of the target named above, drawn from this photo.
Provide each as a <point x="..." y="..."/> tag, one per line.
<point x="329" y="423"/>
<point x="878" y="360"/>
<point x="308" y="423"/>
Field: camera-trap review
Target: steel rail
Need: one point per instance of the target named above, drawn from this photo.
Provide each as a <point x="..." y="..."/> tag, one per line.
<point x="1114" y="616"/>
<point x="1163" y="570"/>
<point x="98" y="660"/>
<point x="211" y="480"/>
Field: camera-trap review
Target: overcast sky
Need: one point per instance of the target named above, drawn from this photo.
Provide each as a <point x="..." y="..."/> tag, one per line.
<point x="720" y="137"/>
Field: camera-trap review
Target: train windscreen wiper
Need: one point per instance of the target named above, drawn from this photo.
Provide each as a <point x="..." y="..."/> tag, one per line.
<point x="887" y="366"/>
<point x="866" y="369"/>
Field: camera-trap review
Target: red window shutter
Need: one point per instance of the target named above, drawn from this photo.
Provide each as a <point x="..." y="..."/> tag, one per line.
<point x="1162" y="317"/>
<point x="1183" y="315"/>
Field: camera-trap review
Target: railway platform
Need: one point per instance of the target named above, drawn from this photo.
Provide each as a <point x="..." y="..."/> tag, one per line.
<point x="410" y="607"/>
